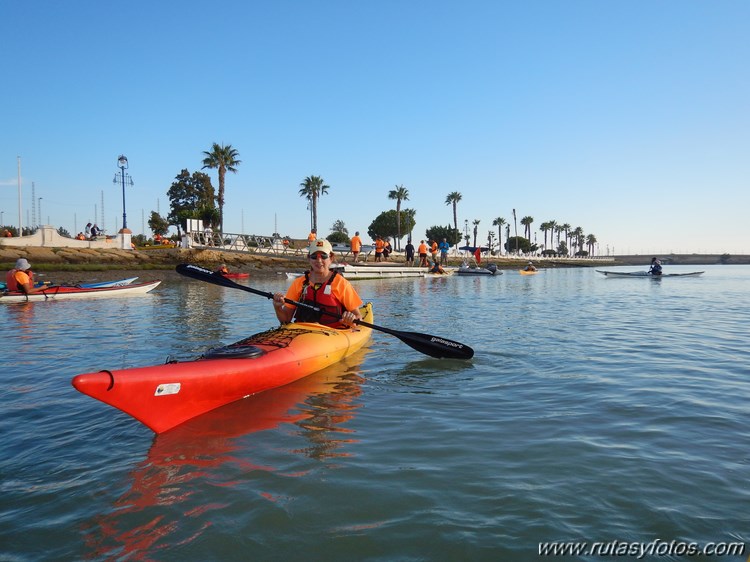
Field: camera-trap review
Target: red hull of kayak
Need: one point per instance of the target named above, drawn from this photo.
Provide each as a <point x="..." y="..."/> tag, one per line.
<point x="164" y="396"/>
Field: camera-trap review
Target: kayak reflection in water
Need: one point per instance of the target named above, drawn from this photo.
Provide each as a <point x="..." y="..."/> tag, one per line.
<point x="322" y="288"/>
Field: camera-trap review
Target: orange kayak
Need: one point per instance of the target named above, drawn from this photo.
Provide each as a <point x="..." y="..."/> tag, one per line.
<point x="524" y="272"/>
<point x="164" y="396"/>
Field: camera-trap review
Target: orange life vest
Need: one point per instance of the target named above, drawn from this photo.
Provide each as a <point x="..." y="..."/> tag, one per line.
<point x="321" y="297"/>
<point x="12" y="282"/>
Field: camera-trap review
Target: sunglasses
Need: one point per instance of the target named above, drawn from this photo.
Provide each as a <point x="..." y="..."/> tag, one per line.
<point x="320" y="255"/>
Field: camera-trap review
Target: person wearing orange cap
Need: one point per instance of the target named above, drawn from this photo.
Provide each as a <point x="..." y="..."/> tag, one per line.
<point x="322" y="288"/>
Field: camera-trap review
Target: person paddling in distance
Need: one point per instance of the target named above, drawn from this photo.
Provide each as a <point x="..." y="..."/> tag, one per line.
<point x="21" y="279"/>
<point x="655" y="267"/>
<point x="530" y="267"/>
<point x="322" y="288"/>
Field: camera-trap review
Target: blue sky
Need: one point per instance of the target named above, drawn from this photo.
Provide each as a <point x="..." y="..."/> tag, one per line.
<point x="628" y="119"/>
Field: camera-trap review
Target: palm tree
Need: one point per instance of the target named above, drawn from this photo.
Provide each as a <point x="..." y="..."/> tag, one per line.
<point x="590" y="241"/>
<point x="499" y="222"/>
<point x="566" y="229"/>
<point x="312" y="188"/>
<point x="453" y="199"/>
<point x="476" y="229"/>
<point x="526" y="222"/>
<point x="577" y="236"/>
<point x="224" y="158"/>
<point x="399" y="194"/>
<point x="548" y="226"/>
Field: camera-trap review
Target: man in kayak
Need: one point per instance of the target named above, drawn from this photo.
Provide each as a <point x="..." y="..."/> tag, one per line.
<point x="21" y="278"/>
<point x="655" y="267"/>
<point x="530" y="267"/>
<point x="223" y="269"/>
<point x="322" y="288"/>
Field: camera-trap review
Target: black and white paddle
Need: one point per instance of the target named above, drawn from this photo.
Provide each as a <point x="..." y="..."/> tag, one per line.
<point x="434" y="346"/>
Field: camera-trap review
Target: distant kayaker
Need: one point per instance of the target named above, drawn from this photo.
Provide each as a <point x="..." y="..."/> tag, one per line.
<point x="655" y="267"/>
<point x="222" y="269"/>
<point x="322" y="288"/>
<point x="21" y="279"/>
<point x="530" y="267"/>
<point x="437" y="268"/>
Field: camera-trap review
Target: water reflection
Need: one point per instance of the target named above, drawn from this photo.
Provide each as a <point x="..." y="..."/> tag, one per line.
<point x="168" y="490"/>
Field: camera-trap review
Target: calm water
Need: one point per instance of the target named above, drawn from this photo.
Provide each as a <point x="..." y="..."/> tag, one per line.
<point x="596" y="409"/>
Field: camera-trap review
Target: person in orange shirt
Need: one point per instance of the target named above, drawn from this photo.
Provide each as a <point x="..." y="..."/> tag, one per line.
<point x="379" y="247"/>
<point x="422" y="251"/>
<point x="322" y="288"/>
<point x="434" y="250"/>
<point x="313" y="235"/>
<point x="21" y="279"/>
<point x="356" y="245"/>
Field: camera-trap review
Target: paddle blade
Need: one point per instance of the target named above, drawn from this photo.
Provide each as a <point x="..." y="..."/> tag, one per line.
<point x="203" y="274"/>
<point x="434" y="346"/>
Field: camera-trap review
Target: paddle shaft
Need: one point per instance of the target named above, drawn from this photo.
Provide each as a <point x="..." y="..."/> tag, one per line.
<point x="433" y="346"/>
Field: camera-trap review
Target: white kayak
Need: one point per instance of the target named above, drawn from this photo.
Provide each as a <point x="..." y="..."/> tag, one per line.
<point x="646" y="274"/>
<point x="60" y="293"/>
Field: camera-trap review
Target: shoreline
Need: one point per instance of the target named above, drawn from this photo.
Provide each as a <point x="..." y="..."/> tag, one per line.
<point x="154" y="263"/>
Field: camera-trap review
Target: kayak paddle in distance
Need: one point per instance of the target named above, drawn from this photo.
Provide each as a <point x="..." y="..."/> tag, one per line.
<point x="434" y="346"/>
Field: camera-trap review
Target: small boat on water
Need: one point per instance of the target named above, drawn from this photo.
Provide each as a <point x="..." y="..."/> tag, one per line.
<point x="105" y="284"/>
<point x="102" y="284"/>
<point x="237" y="275"/>
<point x="377" y="271"/>
<point x="65" y="293"/>
<point x="476" y="270"/>
<point x="646" y="274"/>
<point x="164" y="396"/>
<point x="527" y="272"/>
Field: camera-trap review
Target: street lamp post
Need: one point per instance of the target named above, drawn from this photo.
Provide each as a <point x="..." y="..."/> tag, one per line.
<point x="122" y="177"/>
<point x="39" y="208"/>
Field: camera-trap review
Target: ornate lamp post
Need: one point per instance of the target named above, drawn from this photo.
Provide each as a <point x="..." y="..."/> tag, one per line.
<point x="122" y="177"/>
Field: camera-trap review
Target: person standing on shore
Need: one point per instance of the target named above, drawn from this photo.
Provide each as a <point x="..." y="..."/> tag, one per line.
<point x="409" y="249"/>
<point x="356" y="245"/>
<point x="422" y="254"/>
<point x="313" y="235"/>
<point x="379" y="247"/>
<point x="434" y="250"/>
<point x="21" y="279"/>
<point x="444" y="247"/>
<point x="322" y="288"/>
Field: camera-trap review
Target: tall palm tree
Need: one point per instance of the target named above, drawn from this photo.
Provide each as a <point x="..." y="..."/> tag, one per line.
<point x="312" y="188"/>
<point x="526" y="222"/>
<point x="476" y="229"/>
<point x="551" y="227"/>
<point x="453" y="199"/>
<point x="590" y="241"/>
<point x="399" y="194"/>
<point x="225" y="159"/>
<point x="577" y="236"/>
<point x="499" y="222"/>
